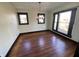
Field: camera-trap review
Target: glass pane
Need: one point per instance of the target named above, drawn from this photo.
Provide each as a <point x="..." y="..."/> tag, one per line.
<point x="41" y="18"/>
<point x="23" y="18"/>
<point x="64" y="21"/>
<point x="55" y="22"/>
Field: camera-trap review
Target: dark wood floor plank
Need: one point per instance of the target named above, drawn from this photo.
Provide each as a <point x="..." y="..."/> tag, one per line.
<point x="42" y="44"/>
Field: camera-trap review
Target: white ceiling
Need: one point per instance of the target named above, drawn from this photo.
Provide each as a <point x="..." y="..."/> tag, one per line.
<point x="45" y="6"/>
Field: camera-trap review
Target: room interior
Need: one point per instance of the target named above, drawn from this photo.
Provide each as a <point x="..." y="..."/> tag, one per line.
<point x="42" y="33"/>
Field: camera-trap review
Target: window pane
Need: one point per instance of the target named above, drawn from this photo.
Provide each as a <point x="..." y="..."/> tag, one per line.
<point x="64" y="21"/>
<point x="41" y="18"/>
<point x="23" y="18"/>
<point x="55" y="22"/>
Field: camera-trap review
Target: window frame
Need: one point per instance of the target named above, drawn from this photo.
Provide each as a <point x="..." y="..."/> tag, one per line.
<point x="43" y="19"/>
<point x="21" y="13"/>
<point x="72" y="20"/>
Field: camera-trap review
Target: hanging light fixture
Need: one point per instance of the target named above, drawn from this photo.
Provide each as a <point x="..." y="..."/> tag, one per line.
<point x="40" y="15"/>
<point x="39" y="6"/>
<point x="39" y="9"/>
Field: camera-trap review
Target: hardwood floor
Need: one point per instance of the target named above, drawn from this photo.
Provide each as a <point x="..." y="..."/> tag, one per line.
<point x="42" y="44"/>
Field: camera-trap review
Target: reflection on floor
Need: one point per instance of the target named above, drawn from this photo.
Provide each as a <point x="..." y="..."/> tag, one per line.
<point x="41" y="44"/>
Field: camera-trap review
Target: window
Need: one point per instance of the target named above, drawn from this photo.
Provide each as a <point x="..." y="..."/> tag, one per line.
<point x="63" y="21"/>
<point x="55" y="23"/>
<point x="41" y="18"/>
<point x="23" y="18"/>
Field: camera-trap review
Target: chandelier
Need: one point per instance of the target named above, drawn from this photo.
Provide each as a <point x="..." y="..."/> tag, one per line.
<point x="39" y="9"/>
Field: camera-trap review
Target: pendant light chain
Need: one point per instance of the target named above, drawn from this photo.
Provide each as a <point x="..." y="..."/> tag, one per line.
<point x="39" y="7"/>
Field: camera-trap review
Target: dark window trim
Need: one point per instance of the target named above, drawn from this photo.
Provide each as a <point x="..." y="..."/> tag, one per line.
<point x="70" y="24"/>
<point x="43" y="20"/>
<point x="24" y="13"/>
<point x="65" y="10"/>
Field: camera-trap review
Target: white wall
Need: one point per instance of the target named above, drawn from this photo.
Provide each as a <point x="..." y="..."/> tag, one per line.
<point x="75" y="31"/>
<point x="8" y="27"/>
<point x="33" y="23"/>
<point x="48" y="19"/>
